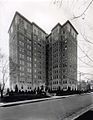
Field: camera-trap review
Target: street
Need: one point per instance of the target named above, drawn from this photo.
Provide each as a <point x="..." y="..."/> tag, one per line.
<point x="87" y="116"/>
<point x="56" y="109"/>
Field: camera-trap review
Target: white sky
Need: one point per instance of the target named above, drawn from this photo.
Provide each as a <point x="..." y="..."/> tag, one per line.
<point x="46" y="14"/>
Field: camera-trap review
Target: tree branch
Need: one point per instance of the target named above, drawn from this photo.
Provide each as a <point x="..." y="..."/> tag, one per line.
<point x="75" y="17"/>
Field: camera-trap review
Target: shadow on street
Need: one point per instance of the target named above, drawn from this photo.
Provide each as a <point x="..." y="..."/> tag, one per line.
<point x="87" y="116"/>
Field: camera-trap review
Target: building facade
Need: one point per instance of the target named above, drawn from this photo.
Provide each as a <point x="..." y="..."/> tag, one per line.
<point x="27" y="45"/>
<point x="62" y="57"/>
<point x="38" y="59"/>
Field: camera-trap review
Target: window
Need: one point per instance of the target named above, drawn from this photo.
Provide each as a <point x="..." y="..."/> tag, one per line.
<point x="28" y="64"/>
<point x="65" y="81"/>
<point x="35" y="59"/>
<point x="29" y="53"/>
<point x="21" y="43"/>
<point x="35" y="65"/>
<point x="21" y="68"/>
<point x="29" y="70"/>
<point x="21" y="49"/>
<point x="63" y="32"/>
<point x="35" y="70"/>
<point x="34" y="76"/>
<point x="63" y="54"/>
<point x="21" y="62"/>
<point x="65" y="65"/>
<point x="22" y="74"/>
<point x="21" y="56"/>
<point x="64" y="76"/>
<point x="22" y="87"/>
<point x="29" y="58"/>
<point x="65" y="41"/>
<point x="28" y="41"/>
<point x="29" y="47"/>
<point x="65" y="48"/>
<point x="39" y="39"/>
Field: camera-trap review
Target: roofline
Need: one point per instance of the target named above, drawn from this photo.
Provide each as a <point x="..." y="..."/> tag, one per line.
<point x="70" y="24"/>
<point x="17" y="13"/>
<point x="49" y="35"/>
<point x="56" y="26"/>
<point x="12" y="22"/>
<point x="33" y="23"/>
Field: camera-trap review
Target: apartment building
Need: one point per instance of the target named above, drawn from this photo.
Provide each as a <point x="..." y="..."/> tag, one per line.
<point x="38" y="59"/>
<point x="39" y="56"/>
<point x="62" y="57"/>
<point x="27" y="54"/>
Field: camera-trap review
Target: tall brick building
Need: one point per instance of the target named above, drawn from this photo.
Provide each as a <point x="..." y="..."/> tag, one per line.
<point x="38" y="59"/>
<point x="27" y="43"/>
<point x="62" y="57"/>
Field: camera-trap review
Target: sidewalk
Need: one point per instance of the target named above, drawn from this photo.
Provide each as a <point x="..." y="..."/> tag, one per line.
<point x="32" y="101"/>
<point x="1" y="104"/>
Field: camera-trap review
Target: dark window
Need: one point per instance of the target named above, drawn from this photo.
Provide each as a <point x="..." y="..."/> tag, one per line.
<point x="63" y="32"/>
<point x="64" y="76"/>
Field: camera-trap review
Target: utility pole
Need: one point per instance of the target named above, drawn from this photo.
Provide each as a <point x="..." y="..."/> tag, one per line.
<point x="80" y="76"/>
<point x="80" y="80"/>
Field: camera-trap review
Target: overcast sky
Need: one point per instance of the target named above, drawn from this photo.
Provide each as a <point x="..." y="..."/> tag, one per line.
<point x="46" y="14"/>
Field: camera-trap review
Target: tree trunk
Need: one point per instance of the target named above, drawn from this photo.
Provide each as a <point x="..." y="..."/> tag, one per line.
<point x="1" y="93"/>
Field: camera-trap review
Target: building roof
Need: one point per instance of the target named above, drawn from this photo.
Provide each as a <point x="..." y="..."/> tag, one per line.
<point x="58" y="24"/>
<point x="17" y="13"/>
<point x="38" y="27"/>
<point x="70" y="24"/>
<point x="48" y="35"/>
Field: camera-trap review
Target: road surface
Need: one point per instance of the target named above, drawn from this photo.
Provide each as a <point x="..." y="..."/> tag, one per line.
<point x="56" y="109"/>
<point x="87" y="116"/>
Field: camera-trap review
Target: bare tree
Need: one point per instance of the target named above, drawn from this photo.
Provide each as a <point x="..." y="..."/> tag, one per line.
<point x="6" y="64"/>
<point x="4" y="72"/>
<point x="60" y="2"/>
<point x="83" y="13"/>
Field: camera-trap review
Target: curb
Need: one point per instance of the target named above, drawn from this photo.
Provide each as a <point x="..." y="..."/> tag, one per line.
<point x="79" y="113"/>
<point x="32" y="101"/>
